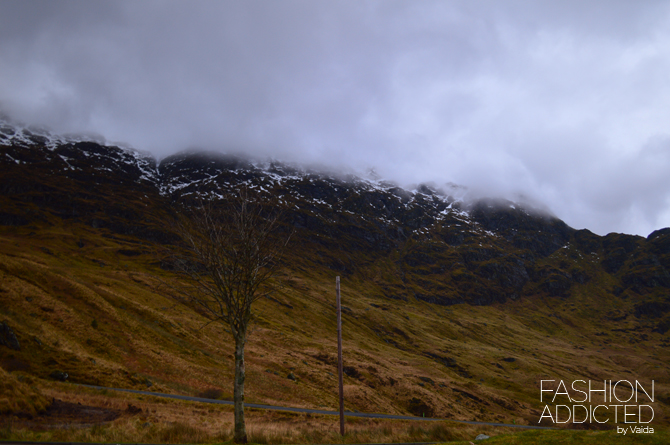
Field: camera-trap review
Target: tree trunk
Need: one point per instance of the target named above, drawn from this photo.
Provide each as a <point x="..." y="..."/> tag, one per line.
<point x="240" y="429"/>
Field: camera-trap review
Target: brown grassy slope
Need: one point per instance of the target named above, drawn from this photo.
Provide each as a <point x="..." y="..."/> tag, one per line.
<point x="18" y="396"/>
<point x="79" y="303"/>
<point x="143" y="419"/>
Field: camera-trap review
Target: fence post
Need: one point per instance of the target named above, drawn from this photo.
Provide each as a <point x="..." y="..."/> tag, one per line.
<point x="340" y="368"/>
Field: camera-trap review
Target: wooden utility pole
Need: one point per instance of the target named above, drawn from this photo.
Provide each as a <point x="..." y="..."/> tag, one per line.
<point x="339" y="354"/>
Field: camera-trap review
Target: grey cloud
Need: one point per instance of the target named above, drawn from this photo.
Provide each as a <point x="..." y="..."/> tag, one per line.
<point x="562" y="102"/>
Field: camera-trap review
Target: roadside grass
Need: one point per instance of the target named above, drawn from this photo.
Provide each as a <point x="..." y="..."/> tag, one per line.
<point x="17" y="395"/>
<point x="568" y="437"/>
<point x="174" y="422"/>
<point x="147" y="419"/>
<point x="260" y="430"/>
<point x="301" y="430"/>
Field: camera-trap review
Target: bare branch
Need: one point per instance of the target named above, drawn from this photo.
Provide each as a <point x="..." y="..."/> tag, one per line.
<point x="228" y="258"/>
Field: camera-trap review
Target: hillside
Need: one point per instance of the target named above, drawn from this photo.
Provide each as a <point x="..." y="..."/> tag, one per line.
<point x="453" y="308"/>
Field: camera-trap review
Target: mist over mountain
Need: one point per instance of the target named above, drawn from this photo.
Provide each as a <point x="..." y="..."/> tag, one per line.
<point x="564" y="104"/>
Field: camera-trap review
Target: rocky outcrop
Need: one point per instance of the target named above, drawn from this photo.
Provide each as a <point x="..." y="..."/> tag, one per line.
<point x="8" y="337"/>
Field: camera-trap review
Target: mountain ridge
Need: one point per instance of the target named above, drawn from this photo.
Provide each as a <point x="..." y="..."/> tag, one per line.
<point x="373" y="213"/>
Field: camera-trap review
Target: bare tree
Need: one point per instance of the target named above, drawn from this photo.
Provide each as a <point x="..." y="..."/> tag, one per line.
<point x="229" y="259"/>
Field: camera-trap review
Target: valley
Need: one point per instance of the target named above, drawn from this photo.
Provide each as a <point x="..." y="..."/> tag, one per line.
<point x="452" y="309"/>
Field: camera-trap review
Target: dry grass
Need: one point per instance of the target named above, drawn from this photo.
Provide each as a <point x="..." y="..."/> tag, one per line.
<point x="141" y="336"/>
<point x="169" y="421"/>
<point x="18" y="396"/>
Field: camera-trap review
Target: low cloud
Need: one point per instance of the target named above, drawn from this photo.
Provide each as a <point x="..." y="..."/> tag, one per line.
<point x="565" y="103"/>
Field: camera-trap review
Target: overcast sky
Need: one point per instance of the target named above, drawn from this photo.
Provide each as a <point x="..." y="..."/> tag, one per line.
<point x="564" y="102"/>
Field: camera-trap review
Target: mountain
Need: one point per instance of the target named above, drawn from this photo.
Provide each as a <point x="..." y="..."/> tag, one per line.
<point x="453" y="307"/>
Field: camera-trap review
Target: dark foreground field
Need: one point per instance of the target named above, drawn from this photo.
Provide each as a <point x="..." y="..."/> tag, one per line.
<point x="83" y="415"/>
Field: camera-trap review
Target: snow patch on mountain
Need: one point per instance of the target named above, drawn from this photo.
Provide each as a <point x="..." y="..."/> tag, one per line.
<point x="316" y="189"/>
<point x="30" y="136"/>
